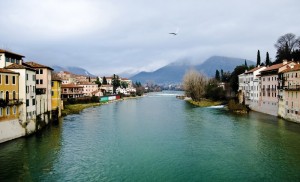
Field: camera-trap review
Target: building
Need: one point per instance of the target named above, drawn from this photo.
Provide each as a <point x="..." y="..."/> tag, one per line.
<point x="252" y="86"/>
<point x="268" y="102"/>
<point x="289" y="86"/>
<point x="10" y="105"/>
<point x="27" y="93"/>
<point x="7" y="58"/>
<point x="88" y="88"/>
<point x="56" y="103"/>
<point x="71" y="91"/>
<point x="43" y="90"/>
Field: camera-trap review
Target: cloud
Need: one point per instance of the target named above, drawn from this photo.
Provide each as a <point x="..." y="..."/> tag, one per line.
<point x="127" y="36"/>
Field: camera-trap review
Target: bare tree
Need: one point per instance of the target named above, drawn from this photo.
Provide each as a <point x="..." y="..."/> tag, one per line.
<point x="194" y="84"/>
<point x="288" y="40"/>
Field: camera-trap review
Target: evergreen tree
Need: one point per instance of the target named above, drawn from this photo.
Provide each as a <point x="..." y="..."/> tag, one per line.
<point x="258" y="58"/>
<point x="104" y="81"/>
<point x="246" y="66"/>
<point x="217" y="77"/>
<point x="115" y="82"/>
<point x="222" y="75"/>
<point x="268" y="62"/>
<point x="98" y="82"/>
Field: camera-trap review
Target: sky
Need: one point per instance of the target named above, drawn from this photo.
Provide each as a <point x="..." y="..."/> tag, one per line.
<point x="127" y="36"/>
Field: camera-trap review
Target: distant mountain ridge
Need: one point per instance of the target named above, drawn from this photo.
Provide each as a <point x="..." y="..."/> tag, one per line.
<point x="73" y="69"/>
<point x="174" y="72"/>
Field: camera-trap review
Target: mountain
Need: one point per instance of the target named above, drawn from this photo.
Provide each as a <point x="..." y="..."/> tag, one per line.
<point x="174" y="72"/>
<point x="214" y="63"/>
<point x="73" y="69"/>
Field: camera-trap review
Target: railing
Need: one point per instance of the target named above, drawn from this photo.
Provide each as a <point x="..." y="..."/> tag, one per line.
<point x="70" y="92"/>
<point x="292" y="87"/>
<point x="40" y="91"/>
<point x="4" y="103"/>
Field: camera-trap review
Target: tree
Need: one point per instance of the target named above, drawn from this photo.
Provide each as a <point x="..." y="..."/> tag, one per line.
<point x="124" y="84"/>
<point x="217" y="77"/>
<point x="213" y="91"/>
<point x="246" y="64"/>
<point x="98" y="82"/>
<point x="194" y="84"/>
<point x="115" y="81"/>
<point x="268" y="62"/>
<point x="234" y="79"/>
<point x="104" y="81"/>
<point x="222" y="75"/>
<point x="258" y="58"/>
<point x="285" y="45"/>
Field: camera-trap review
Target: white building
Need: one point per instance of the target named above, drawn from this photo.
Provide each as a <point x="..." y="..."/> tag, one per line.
<point x="43" y="90"/>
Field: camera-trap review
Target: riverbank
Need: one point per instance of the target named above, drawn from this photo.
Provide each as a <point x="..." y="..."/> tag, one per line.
<point x="205" y="103"/>
<point x="76" y="108"/>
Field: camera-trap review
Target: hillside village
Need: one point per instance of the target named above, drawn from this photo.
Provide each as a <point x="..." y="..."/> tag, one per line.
<point x="32" y="94"/>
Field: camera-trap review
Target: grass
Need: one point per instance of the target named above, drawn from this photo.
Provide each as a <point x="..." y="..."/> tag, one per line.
<point x="205" y="103"/>
<point x="76" y="108"/>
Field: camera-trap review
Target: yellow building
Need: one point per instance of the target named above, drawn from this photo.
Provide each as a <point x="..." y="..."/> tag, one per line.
<point x="56" y="94"/>
<point x="9" y="95"/>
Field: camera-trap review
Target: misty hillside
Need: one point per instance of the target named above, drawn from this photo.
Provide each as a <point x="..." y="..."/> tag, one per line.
<point x="73" y="69"/>
<point x="174" y="72"/>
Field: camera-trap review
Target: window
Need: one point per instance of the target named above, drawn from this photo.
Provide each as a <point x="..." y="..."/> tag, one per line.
<point x="7" y="111"/>
<point x="14" y="95"/>
<point x="41" y="71"/>
<point x="7" y="95"/>
<point x="14" y="80"/>
<point x="33" y="89"/>
<point x="15" y="110"/>
<point x="1" y="111"/>
<point x="41" y="81"/>
<point x="52" y="93"/>
<point x="37" y="81"/>
<point x="6" y="79"/>
<point x="27" y="102"/>
<point x="33" y="102"/>
<point x="1" y="95"/>
<point x="27" y="89"/>
<point x="52" y="84"/>
<point x="26" y="76"/>
<point x="33" y="77"/>
<point x="0" y="79"/>
<point x="37" y="72"/>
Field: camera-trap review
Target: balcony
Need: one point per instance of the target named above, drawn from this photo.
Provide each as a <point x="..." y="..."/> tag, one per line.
<point x="40" y="91"/>
<point x="292" y="88"/>
<point x="11" y="102"/>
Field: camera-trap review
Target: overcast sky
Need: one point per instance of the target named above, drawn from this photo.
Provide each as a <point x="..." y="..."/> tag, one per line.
<point x="114" y="36"/>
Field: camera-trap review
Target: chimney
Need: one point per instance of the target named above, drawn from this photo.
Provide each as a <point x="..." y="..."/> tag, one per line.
<point x="284" y="62"/>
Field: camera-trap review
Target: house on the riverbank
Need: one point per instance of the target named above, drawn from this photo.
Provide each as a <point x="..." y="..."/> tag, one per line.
<point x="43" y="92"/>
<point x="56" y="102"/>
<point x="289" y="89"/>
<point x="71" y="91"/>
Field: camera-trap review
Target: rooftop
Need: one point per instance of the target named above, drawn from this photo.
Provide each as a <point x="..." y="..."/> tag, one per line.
<point x="291" y="68"/>
<point x="18" y="66"/>
<point x="37" y="65"/>
<point x="5" y="51"/>
<point x="2" y="70"/>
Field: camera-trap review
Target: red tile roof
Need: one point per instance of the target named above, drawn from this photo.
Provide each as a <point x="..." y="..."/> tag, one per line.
<point x="86" y="83"/>
<point x="18" y="66"/>
<point x="254" y="69"/>
<point x="2" y="70"/>
<point x="291" y="68"/>
<point x="5" y="51"/>
<point x="37" y="65"/>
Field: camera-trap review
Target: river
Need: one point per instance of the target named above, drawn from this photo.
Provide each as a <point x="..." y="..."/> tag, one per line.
<point x="156" y="138"/>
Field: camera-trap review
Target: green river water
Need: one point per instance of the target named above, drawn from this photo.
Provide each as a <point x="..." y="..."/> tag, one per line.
<point x="156" y="138"/>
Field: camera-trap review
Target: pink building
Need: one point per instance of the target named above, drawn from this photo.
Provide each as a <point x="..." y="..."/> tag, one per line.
<point x="268" y="102"/>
